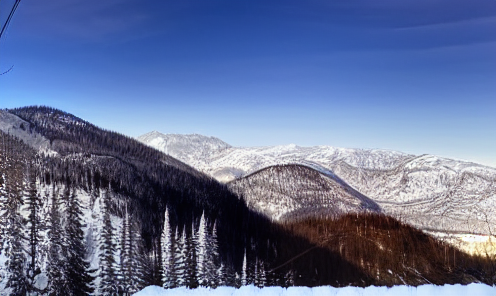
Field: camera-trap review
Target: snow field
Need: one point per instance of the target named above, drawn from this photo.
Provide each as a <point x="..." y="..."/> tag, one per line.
<point x="425" y="290"/>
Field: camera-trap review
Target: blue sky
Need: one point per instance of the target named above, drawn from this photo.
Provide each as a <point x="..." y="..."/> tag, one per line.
<point x="417" y="76"/>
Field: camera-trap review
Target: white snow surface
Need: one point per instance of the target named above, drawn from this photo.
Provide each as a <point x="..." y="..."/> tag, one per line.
<point x="425" y="290"/>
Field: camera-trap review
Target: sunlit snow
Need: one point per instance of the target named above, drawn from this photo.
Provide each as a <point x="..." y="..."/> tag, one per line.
<point x="425" y="290"/>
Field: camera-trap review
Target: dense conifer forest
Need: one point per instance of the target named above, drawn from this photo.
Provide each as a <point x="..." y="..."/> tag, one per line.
<point x="102" y="213"/>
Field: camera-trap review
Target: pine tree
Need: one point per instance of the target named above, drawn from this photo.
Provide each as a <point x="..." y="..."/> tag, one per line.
<point x="175" y="261"/>
<point x="244" y="272"/>
<point x="139" y="261"/>
<point x="57" y="249"/>
<point x="77" y="269"/>
<point x="191" y="261"/>
<point x="211" y="264"/>
<point x="33" y="203"/>
<point x="132" y="259"/>
<point x="108" y="274"/>
<point x="201" y="238"/>
<point x="180" y="259"/>
<point x="17" y="279"/>
<point x="166" y="245"/>
<point x="124" y="257"/>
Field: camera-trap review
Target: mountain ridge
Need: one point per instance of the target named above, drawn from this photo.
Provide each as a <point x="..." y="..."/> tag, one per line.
<point x="427" y="191"/>
<point x="297" y="192"/>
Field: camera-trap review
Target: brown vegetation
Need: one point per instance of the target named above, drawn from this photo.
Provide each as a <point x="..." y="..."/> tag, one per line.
<point x="389" y="252"/>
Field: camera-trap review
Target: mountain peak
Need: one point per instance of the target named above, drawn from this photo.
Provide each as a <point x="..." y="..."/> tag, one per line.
<point x="191" y="148"/>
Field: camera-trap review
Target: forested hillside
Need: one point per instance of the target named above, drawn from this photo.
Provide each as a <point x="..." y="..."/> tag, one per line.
<point x="294" y="192"/>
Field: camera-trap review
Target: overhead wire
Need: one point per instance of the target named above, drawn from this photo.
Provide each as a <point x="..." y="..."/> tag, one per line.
<point x="6" y="24"/>
<point x="7" y="70"/>
<point x="9" y="18"/>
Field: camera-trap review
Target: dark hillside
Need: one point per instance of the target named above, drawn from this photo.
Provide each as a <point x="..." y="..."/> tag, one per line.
<point x="390" y="252"/>
<point x="144" y="179"/>
<point x="148" y="177"/>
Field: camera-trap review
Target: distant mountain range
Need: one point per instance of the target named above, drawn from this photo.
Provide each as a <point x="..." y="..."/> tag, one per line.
<point x="426" y="191"/>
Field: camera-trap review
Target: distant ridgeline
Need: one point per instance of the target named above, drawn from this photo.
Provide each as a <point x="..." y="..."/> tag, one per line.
<point x="97" y="212"/>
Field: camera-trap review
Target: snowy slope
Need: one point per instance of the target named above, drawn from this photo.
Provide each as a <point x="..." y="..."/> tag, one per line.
<point x="21" y="129"/>
<point x="430" y="192"/>
<point x="425" y="290"/>
<point x="427" y="191"/>
<point x="288" y="192"/>
<point x="192" y="149"/>
<point x="225" y="163"/>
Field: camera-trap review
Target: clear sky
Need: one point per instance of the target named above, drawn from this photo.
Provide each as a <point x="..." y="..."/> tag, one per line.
<point x="418" y="76"/>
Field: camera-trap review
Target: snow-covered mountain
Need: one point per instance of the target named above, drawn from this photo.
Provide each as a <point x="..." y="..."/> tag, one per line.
<point x="294" y="192"/>
<point x="192" y="149"/>
<point x="226" y="163"/>
<point x="429" y="192"/>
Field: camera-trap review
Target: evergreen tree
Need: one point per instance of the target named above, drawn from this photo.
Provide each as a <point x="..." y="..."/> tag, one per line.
<point x="123" y="256"/>
<point x="166" y="245"/>
<point x="244" y="272"/>
<point x="132" y="257"/>
<point x="201" y="238"/>
<point x="77" y="269"/>
<point x="33" y="203"/>
<point x="175" y="273"/>
<point x="17" y="279"/>
<point x="57" y="284"/>
<point x="180" y="258"/>
<point x="108" y="274"/>
<point x="211" y="264"/>
<point x="221" y="276"/>
<point x="139" y="262"/>
<point x="191" y="261"/>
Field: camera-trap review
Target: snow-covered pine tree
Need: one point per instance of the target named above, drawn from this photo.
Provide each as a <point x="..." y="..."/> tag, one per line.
<point x="211" y="264"/>
<point x="33" y="207"/>
<point x="221" y="276"/>
<point x="17" y="280"/>
<point x="123" y="257"/>
<point x="77" y="269"/>
<point x="180" y="259"/>
<point x="166" y="245"/>
<point x="244" y="272"/>
<point x="139" y="260"/>
<point x="175" y="273"/>
<point x="201" y="252"/>
<point x="132" y="257"/>
<point x="57" y="284"/>
<point x="108" y="274"/>
<point x="190" y="248"/>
